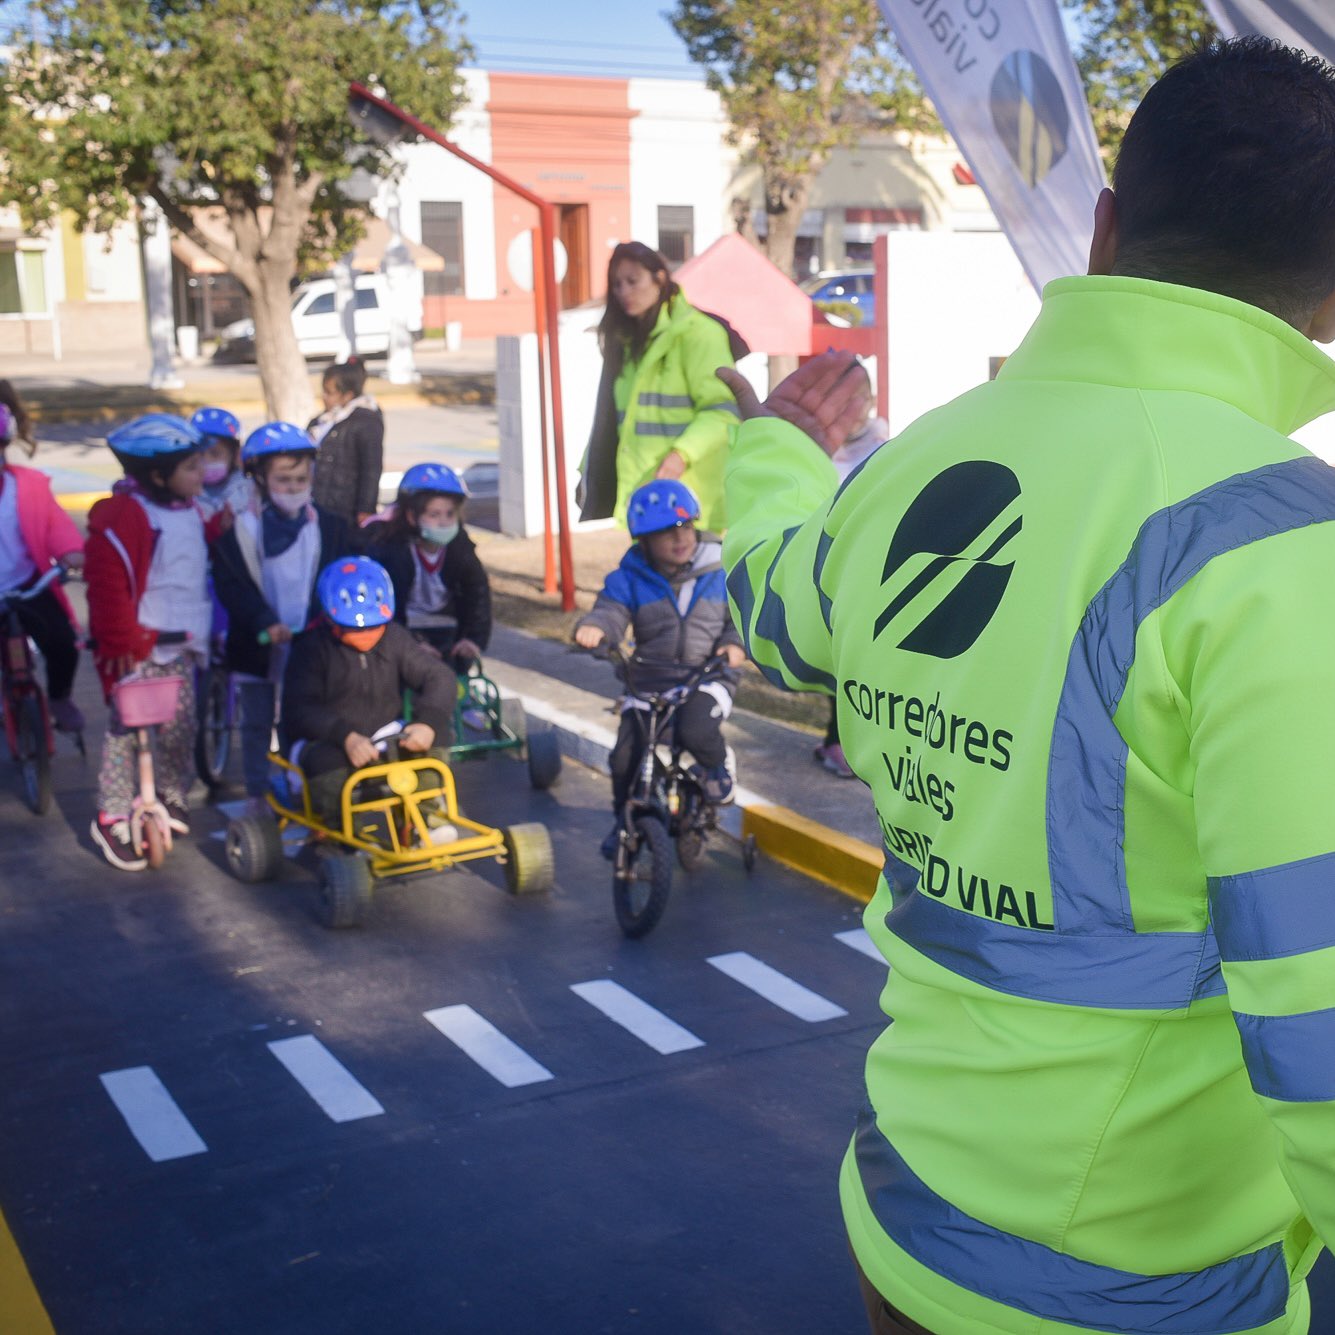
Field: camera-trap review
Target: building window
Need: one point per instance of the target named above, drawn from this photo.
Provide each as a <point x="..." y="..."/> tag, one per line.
<point x="676" y="232"/>
<point x="22" y="283"/>
<point x="443" y="232"/>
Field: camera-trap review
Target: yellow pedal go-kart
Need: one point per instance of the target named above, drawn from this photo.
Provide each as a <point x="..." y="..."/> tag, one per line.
<point x="397" y="818"/>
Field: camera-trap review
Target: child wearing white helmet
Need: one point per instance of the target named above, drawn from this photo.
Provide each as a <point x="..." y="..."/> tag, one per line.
<point x="264" y="572"/>
<point x="441" y="590"/>
<point x="669" y="592"/>
<point x="149" y="611"/>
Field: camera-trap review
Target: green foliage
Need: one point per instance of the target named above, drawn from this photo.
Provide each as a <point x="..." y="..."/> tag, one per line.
<point x="1125" y="45"/>
<point x="238" y="102"/>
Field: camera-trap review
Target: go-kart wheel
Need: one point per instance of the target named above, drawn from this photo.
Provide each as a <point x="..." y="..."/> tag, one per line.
<point x="530" y="867"/>
<point x="642" y="877"/>
<point x="544" y="759"/>
<point x="749" y="852"/>
<point x="254" y="849"/>
<point x="155" y="844"/>
<point x="691" y="849"/>
<point x="345" y="889"/>
<point x="512" y="716"/>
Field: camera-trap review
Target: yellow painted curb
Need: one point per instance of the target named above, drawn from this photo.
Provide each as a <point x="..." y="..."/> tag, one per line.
<point x="80" y="502"/>
<point x="826" y="855"/>
<point x="21" y="1310"/>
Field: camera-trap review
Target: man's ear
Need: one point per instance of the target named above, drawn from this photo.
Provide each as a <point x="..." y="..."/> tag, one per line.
<point x="1321" y="327"/>
<point x="1103" y="248"/>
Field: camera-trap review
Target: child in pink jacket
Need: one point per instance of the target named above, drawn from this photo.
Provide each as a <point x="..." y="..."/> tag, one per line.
<point x="34" y="534"/>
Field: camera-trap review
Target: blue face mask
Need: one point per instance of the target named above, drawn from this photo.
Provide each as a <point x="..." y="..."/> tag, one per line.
<point x="441" y="536"/>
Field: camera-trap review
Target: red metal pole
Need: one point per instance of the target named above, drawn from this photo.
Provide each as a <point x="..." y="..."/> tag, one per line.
<point x="540" y="307"/>
<point x="547" y="215"/>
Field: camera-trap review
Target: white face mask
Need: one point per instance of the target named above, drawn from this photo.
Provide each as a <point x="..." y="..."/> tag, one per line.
<point x="443" y="536"/>
<point x="291" y="502"/>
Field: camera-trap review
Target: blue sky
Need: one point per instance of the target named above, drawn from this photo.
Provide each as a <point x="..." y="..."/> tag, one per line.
<point x="615" y="38"/>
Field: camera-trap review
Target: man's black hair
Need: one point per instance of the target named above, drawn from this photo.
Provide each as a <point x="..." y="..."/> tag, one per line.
<point x="1226" y="178"/>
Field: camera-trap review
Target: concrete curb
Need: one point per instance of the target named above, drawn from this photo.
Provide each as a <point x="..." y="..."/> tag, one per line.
<point x="849" y="865"/>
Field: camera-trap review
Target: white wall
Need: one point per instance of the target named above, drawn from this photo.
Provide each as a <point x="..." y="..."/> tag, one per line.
<point x="433" y="175"/>
<point x="955" y="301"/>
<point x="678" y="156"/>
<point x="111" y="265"/>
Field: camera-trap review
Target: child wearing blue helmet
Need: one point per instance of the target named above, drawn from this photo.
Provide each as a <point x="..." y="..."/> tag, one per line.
<point x="669" y="593"/>
<point x="346" y="678"/>
<point x="146" y="563"/>
<point x="441" y="590"/>
<point x="264" y="573"/>
<point x="227" y="490"/>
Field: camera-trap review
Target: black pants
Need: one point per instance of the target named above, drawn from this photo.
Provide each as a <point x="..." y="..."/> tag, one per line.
<point x="832" y="728"/>
<point x="697" y="728"/>
<point x="44" y="619"/>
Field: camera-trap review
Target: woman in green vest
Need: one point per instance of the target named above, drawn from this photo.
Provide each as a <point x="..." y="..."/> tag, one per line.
<point x="662" y="412"/>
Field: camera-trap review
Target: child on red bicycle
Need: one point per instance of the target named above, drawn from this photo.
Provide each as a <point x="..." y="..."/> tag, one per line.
<point x="264" y="570"/>
<point x="149" y="612"/>
<point x="669" y="592"/>
<point x="36" y="533"/>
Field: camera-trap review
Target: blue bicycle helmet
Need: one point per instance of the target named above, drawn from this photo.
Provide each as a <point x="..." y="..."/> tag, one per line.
<point x="154" y="435"/>
<point x="217" y="422"/>
<point x="432" y="477"/>
<point x="660" y="505"/>
<point x="356" y="592"/>
<point x="275" y="438"/>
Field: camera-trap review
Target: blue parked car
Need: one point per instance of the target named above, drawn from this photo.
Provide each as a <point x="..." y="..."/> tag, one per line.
<point x="857" y="287"/>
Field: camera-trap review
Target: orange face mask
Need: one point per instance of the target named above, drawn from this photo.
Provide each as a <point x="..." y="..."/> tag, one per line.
<point x="361" y="640"/>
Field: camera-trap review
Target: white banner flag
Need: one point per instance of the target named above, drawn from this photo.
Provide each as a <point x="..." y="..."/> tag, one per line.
<point x="1304" y="23"/>
<point x="1001" y="77"/>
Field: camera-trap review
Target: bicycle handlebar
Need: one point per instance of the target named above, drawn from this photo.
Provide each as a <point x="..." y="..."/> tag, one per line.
<point x="23" y="595"/>
<point x="709" y="670"/>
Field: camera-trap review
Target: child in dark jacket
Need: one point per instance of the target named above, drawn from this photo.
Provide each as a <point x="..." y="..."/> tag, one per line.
<point x="350" y="436"/>
<point x="670" y="592"/>
<point x="146" y="563"/>
<point x="441" y="590"/>
<point x="264" y="571"/>
<point x="346" y="677"/>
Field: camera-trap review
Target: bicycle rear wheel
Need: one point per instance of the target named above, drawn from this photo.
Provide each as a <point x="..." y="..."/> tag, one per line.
<point x="642" y="877"/>
<point x="32" y="753"/>
<point x="213" y="737"/>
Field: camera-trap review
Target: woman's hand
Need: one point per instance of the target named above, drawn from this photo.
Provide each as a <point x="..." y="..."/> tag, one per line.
<point x="589" y="637"/>
<point x="671" y="468"/>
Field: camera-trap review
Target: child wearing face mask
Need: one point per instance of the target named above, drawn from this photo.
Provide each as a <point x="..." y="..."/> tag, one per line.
<point x="346" y="679"/>
<point x="264" y="572"/>
<point x="440" y="587"/>
<point x="146" y="566"/>
<point x="227" y="490"/>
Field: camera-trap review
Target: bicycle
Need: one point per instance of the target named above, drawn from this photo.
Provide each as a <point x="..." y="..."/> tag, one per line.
<point x="28" y="728"/>
<point x="216" y="716"/>
<point x="667" y="809"/>
<point x="143" y="703"/>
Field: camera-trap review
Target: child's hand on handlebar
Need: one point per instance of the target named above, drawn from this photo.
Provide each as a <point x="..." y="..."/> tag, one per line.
<point x="465" y="651"/>
<point x="278" y="633"/>
<point x="733" y="655"/>
<point x="360" y="750"/>
<point x="416" y="737"/>
<point x="588" y="637"/>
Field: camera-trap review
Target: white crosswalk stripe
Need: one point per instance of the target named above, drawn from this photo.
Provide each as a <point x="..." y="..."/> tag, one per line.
<point x="342" y="1096"/>
<point x="776" y="987"/>
<point x="487" y="1046"/>
<point x="150" y="1112"/>
<point x="636" y="1016"/>
<point x="861" y="942"/>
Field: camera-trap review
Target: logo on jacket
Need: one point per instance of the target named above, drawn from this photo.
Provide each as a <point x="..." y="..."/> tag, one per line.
<point x="1030" y="114"/>
<point x="963" y="519"/>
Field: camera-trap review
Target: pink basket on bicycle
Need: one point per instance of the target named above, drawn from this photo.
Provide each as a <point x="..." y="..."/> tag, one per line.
<point x="144" y="701"/>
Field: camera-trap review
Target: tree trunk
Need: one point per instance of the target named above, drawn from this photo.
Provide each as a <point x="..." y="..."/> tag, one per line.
<point x="282" y="368"/>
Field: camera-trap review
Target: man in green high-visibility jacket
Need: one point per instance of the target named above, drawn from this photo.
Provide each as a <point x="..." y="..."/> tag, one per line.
<point x="1080" y="627"/>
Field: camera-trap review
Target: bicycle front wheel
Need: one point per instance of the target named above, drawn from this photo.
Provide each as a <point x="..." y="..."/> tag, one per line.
<point x="32" y="753"/>
<point x="213" y="737"/>
<point x="642" y="877"/>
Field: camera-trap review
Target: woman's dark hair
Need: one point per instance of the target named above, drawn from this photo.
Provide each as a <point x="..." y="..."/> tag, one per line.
<point x="619" y="333"/>
<point x="9" y="396"/>
<point x="152" y="474"/>
<point x="1226" y="178"/>
<point x="347" y="377"/>
<point x="397" y="528"/>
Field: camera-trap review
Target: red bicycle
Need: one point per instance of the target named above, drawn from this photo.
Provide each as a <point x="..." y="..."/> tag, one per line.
<point x="27" y="718"/>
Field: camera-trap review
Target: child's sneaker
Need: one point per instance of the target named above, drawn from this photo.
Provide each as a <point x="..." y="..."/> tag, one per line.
<point x="608" y="848"/>
<point x="178" y="816"/>
<point x="112" y="835"/>
<point x="66" y="716"/>
<point x="716" y="784"/>
<point x="832" y="757"/>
